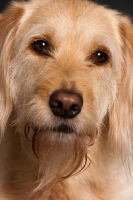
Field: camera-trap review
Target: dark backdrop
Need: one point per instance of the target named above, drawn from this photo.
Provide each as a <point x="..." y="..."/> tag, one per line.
<point x="126" y="6"/>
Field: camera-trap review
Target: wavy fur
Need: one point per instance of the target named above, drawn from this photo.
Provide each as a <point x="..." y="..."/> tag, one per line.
<point x="87" y="157"/>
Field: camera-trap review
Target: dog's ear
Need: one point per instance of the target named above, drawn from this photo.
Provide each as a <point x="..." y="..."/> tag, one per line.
<point x="8" y="26"/>
<point x="121" y="115"/>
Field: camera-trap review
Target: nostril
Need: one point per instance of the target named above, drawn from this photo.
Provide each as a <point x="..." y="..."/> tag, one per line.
<point x="65" y="104"/>
<point x="76" y="108"/>
<point x="56" y="103"/>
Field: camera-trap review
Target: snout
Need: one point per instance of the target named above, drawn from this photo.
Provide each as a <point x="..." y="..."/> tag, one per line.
<point x="65" y="104"/>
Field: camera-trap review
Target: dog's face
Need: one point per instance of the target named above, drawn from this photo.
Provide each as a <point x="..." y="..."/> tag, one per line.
<point x="70" y="51"/>
<point x="65" y="65"/>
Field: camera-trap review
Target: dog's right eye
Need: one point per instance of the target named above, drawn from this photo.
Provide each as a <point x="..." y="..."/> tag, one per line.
<point x="41" y="47"/>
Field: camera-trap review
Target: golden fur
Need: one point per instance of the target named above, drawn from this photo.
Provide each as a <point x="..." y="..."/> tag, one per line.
<point x="92" y="159"/>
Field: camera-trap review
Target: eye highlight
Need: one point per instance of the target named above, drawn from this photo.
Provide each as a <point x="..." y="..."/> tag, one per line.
<point x="41" y="47"/>
<point x="99" y="57"/>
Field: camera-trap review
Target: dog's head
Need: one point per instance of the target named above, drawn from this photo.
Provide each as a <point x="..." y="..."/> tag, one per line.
<point x="64" y="67"/>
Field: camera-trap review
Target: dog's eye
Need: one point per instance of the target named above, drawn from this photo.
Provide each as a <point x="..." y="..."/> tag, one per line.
<point x="99" y="57"/>
<point x="41" y="47"/>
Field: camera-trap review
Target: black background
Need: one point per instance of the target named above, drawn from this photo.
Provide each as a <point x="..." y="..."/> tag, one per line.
<point x="125" y="6"/>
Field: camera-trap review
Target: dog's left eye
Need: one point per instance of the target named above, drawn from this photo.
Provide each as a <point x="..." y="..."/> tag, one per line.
<point x="99" y="57"/>
<point x="41" y="47"/>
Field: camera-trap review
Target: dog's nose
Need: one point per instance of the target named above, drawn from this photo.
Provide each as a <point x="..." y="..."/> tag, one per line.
<point x="66" y="104"/>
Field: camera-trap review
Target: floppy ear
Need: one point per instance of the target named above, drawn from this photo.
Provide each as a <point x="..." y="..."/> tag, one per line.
<point x="121" y="115"/>
<point x="8" y="27"/>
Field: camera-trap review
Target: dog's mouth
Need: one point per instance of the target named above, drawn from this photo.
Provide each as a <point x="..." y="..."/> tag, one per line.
<point x="60" y="129"/>
<point x="63" y="128"/>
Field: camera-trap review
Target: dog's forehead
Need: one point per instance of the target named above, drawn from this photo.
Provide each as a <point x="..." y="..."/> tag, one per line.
<point x="66" y="16"/>
<point x="79" y="21"/>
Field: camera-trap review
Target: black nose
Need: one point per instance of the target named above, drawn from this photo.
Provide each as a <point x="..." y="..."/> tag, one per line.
<point x="66" y="104"/>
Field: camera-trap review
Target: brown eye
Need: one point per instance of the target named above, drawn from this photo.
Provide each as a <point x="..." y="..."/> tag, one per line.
<point x="41" y="47"/>
<point x="99" y="57"/>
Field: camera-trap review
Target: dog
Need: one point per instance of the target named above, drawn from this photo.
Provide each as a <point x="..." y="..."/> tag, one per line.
<point x="66" y="102"/>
